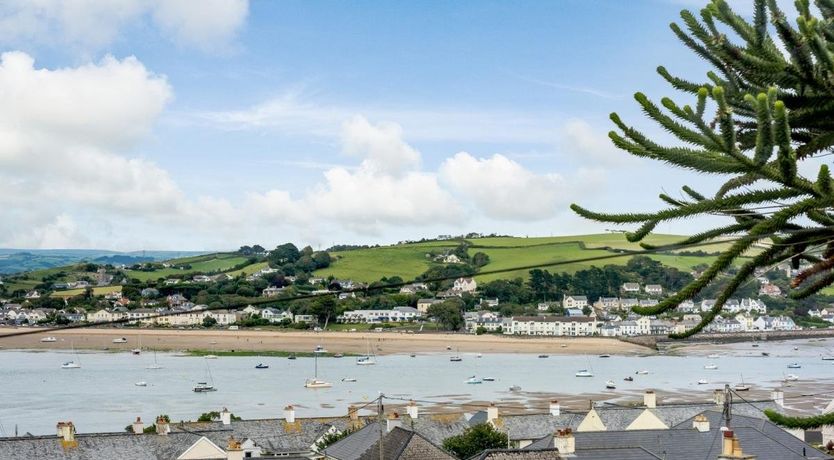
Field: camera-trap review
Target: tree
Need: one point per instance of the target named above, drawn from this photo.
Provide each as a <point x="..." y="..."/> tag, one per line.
<point x="759" y="114"/>
<point x="283" y="254"/>
<point x="209" y="321"/>
<point x="448" y="313"/>
<point x="480" y="259"/>
<point x="475" y="440"/>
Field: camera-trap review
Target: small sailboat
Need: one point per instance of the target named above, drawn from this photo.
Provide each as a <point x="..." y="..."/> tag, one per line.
<point x="155" y="364"/>
<point x="610" y="385"/>
<point x="292" y="356"/>
<point x="791" y="378"/>
<point x="828" y="358"/>
<point x="72" y="364"/>
<point x="702" y="382"/>
<point x="489" y="379"/>
<point x="141" y="384"/>
<point x="315" y="382"/>
<point x="794" y="366"/>
<point x="629" y="379"/>
<point x="120" y="340"/>
<point x="544" y="356"/>
<point x="261" y="366"/>
<point x="138" y="349"/>
<point x="711" y="367"/>
<point x="339" y="355"/>
<point x="605" y="355"/>
<point x="49" y="339"/>
<point x="413" y="355"/>
<point x="642" y="372"/>
<point x="712" y="356"/>
<point x="795" y="348"/>
<point x="455" y="359"/>
<point x="765" y="354"/>
<point x="348" y="379"/>
<point x="473" y="381"/>
<point x="741" y="386"/>
<point x="211" y="356"/>
<point x="208" y="385"/>
<point x="479" y="355"/>
<point x="564" y="345"/>
<point x="755" y="345"/>
<point x="320" y="349"/>
<point x="584" y="373"/>
<point x="368" y="359"/>
<point x="515" y="388"/>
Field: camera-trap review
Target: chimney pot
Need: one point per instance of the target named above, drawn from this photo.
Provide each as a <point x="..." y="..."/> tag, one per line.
<point x="564" y="442"/>
<point x="225" y="417"/>
<point x="234" y="450"/>
<point x="492" y="412"/>
<point x="289" y="414"/>
<point x="394" y="421"/>
<point x="162" y="427"/>
<point x="778" y="397"/>
<point x="412" y="410"/>
<point x="650" y="399"/>
<point x="700" y="423"/>
<point x="138" y="426"/>
<point x="555" y="408"/>
<point x="353" y="413"/>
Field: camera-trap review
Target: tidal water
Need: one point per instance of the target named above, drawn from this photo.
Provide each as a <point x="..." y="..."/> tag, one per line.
<point x="102" y="395"/>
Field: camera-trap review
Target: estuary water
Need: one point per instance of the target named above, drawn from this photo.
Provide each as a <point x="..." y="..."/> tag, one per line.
<point x="102" y="395"/>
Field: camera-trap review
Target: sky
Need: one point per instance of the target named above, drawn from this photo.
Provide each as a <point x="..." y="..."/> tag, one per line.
<point x="160" y="124"/>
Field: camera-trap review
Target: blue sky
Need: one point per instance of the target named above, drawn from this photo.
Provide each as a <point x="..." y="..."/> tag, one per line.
<point x="151" y="125"/>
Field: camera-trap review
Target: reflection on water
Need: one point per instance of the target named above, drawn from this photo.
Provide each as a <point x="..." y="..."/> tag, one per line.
<point x="102" y="395"/>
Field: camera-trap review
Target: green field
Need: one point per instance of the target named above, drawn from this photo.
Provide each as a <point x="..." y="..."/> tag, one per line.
<point x="96" y="291"/>
<point x="249" y="269"/>
<point x="204" y="264"/>
<point x="409" y="260"/>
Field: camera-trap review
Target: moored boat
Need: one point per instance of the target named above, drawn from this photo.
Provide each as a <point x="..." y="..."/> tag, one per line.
<point x="791" y="378"/>
<point x="203" y="387"/>
<point x="473" y="381"/>
<point x="141" y="384"/>
<point x="605" y="355"/>
<point x="702" y="382"/>
<point x="629" y="379"/>
<point x="610" y="385"/>
<point x="49" y="339"/>
<point x="489" y="379"/>
<point x="261" y="366"/>
<point x="515" y="388"/>
<point x="794" y="366"/>
<point x="711" y="366"/>
<point x="455" y="359"/>
<point x="70" y="365"/>
<point x="584" y="373"/>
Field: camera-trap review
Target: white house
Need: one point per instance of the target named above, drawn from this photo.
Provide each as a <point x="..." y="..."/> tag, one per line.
<point x="273" y="315"/>
<point x="770" y="290"/>
<point x="272" y="291"/>
<point x="687" y="306"/>
<point x="545" y="306"/>
<point x="629" y="328"/>
<point x="397" y="314"/>
<point x="653" y="289"/>
<point x="201" y="279"/>
<point x="33" y="295"/>
<point x="630" y="287"/>
<point x="774" y="323"/>
<point x="465" y="285"/>
<point x="424" y="304"/>
<point x="488" y="320"/>
<point x="451" y="259"/>
<point x="628" y="303"/>
<point x="575" y="301"/>
<point x="552" y="325"/>
<point x="608" y="303"/>
<point x="414" y="288"/>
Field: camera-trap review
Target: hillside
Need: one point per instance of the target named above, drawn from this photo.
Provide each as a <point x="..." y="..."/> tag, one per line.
<point x="410" y="260"/>
<point x="27" y="260"/>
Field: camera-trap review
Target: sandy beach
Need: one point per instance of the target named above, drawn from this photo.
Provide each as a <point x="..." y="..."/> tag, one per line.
<point x="297" y="341"/>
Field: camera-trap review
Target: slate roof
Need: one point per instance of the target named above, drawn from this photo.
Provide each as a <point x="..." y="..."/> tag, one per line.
<point x="757" y="437"/>
<point x="537" y="425"/>
<point x="403" y="444"/>
<point x="355" y="444"/>
<point x="272" y="435"/>
<point x="518" y="454"/>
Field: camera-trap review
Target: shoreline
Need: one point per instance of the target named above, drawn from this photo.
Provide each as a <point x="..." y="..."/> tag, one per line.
<point x="249" y="342"/>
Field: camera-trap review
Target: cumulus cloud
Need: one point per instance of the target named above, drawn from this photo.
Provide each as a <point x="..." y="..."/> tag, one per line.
<point x="93" y="24"/>
<point x="503" y="189"/>
<point x="381" y="146"/>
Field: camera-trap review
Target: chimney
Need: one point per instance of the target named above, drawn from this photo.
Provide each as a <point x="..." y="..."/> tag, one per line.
<point x="700" y="423"/>
<point x="412" y="410"/>
<point x="234" y="451"/>
<point x="492" y="413"/>
<point x="226" y="416"/>
<point x="66" y="431"/>
<point x="289" y="414"/>
<point x="353" y="413"/>
<point x="718" y="396"/>
<point x="731" y="448"/>
<point x="564" y="441"/>
<point x="162" y="427"/>
<point x="555" y="408"/>
<point x="394" y="421"/>
<point x="138" y="426"/>
<point x="778" y="397"/>
<point x="650" y="399"/>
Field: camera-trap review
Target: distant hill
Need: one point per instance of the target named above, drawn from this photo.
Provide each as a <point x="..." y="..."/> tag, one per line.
<point x="26" y="260"/>
<point x="412" y="259"/>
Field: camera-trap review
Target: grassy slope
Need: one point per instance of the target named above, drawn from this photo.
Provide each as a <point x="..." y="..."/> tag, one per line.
<point x="96" y="291"/>
<point x="209" y="263"/>
<point x="410" y="260"/>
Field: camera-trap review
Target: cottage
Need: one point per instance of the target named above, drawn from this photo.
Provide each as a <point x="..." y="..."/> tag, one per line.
<point x="465" y="285"/>
<point x="424" y="304"/>
<point x="630" y="287"/>
<point x="272" y="291"/>
<point x="770" y="290"/>
<point x="575" y="301"/>
<point x="654" y="289"/>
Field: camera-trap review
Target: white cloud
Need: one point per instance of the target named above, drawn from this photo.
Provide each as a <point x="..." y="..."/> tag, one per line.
<point x="92" y="24"/>
<point x="503" y="189"/>
<point x="209" y="25"/>
<point x="582" y="140"/>
<point x="292" y="114"/>
<point x="382" y="146"/>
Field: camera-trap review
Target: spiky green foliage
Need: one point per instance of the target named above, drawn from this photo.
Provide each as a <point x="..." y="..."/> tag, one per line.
<point x="768" y="104"/>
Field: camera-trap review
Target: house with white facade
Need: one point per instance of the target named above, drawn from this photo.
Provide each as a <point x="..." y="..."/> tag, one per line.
<point x="575" y="301"/>
<point x="630" y="288"/>
<point x="687" y="306"/>
<point x="274" y="315"/>
<point x="414" y="288"/>
<point x="774" y="323"/>
<point x="272" y="291"/>
<point x="397" y="314"/>
<point x="465" y="285"/>
<point x="607" y="303"/>
<point x="654" y="289"/>
<point x="488" y="320"/>
<point x="552" y="325"/>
